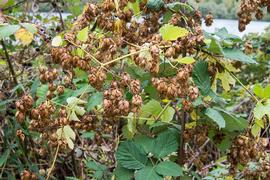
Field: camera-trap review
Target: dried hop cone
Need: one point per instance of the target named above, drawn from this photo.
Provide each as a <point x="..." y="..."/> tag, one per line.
<point x="209" y="19"/>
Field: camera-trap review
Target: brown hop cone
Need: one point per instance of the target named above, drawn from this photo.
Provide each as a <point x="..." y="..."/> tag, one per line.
<point x="136" y="103"/>
<point x="248" y="48"/>
<point x="123" y="106"/>
<point x="27" y="101"/>
<point x="137" y="100"/>
<point x="209" y="19"/>
<point x="116" y="94"/>
<point x="170" y="52"/>
<point x="35" y="113"/>
<point x="107" y="104"/>
<point x="20" y="116"/>
<point x="171" y="91"/>
<point x="20" y="135"/>
<point x="135" y="86"/>
<point x="26" y="175"/>
<point x="20" y="106"/>
<point x="193" y="93"/>
<point x="60" y="90"/>
<point x="52" y="87"/>
<point x="259" y="14"/>
<point x="125" y="79"/>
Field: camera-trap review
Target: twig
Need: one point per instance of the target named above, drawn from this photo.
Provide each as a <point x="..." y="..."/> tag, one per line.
<point x="9" y="63"/>
<point x="60" y="15"/>
<point x="198" y="152"/>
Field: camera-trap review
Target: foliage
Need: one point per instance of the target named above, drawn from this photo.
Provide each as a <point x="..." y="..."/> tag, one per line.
<point x="130" y="90"/>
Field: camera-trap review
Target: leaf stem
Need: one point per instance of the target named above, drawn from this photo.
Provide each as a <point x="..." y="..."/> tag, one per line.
<point x="163" y="110"/>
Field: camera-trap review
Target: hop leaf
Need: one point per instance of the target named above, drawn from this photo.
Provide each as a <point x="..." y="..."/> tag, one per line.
<point x="83" y="35"/>
<point x="73" y="108"/>
<point x="24" y="36"/>
<point x="57" y="41"/>
<point x="172" y="33"/>
<point x="68" y="134"/>
<point x="226" y="80"/>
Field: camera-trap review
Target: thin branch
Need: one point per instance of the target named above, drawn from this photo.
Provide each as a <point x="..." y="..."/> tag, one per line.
<point x="13" y="6"/>
<point x="9" y="63"/>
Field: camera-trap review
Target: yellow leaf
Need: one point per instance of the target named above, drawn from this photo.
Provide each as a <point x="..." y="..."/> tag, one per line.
<point x="229" y="178"/>
<point x="230" y="67"/>
<point x="24" y="36"/>
<point x="186" y="60"/>
<point x="190" y="125"/>
<point x="194" y="116"/>
<point x="226" y="80"/>
<point x="118" y="25"/>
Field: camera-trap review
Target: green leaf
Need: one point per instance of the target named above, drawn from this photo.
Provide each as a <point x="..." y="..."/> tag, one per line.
<point x="147" y="143"/>
<point x="179" y="6"/>
<point x="42" y="94"/>
<point x="255" y="129"/>
<point x="83" y="34"/>
<point x="98" y="168"/>
<point x="224" y="34"/>
<point x="260" y="110"/>
<point x="126" y="133"/>
<point x="135" y="7"/>
<point x="261" y="92"/>
<point x="201" y="77"/>
<point x="4" y="157"/>
<point x="172" y="33"/>
<point x="165" y="144"/>
<point x="57" y="41"/>
<point x="89" y="135"/>
<point x="167" y="115"/>
<point x="122" y="173"/>
<point x="152" y="108"/>
<point x="131" y="124"/>
<point x="2" y="62"/>
<point x="266" y="93"/>
<point x="155" y="5"/>
<point x="147" y="173"/>
<point x="30" y="27"/>
<point x="130" y="156"/>
<point x="258" y="90"/>
<point x="216" y="117"/>
<point x="186" y="60"/>
<point x="232" y="122"/>
<point x="8" y="30"/>
<point x="94" y="100"/>
<point x="236" y="54"/>
<point x="95" y="166"/>
<point x="169" y="168"/>
<point x="215" y="47"/>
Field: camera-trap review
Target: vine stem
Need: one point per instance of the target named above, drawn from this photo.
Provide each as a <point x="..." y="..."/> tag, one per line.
<point x="53" y="163"/>
<point x="163" y="110"/>
<point x="181" y="151"/>
<point x="130" y="54"/>
<point x="125" y="56"/>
